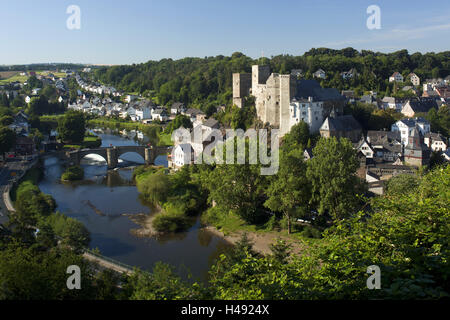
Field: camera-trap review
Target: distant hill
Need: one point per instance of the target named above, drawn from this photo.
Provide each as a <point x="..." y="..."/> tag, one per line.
<point x="208" y="80"/>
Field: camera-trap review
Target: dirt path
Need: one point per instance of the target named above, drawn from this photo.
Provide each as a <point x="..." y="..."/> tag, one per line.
<point x="261" y="241"/>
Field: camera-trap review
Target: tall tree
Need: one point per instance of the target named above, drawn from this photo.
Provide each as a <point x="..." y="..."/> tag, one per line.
<point x="71" y="127"/>
<point x="332" y="175"/>
<point x="289" y="190"/>
<point x="7" y="140"/>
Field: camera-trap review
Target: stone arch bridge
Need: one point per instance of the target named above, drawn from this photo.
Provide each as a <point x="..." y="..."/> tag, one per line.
<point x="112" y="154"/>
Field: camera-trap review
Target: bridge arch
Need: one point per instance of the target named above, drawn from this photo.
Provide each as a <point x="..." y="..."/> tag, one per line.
<point x="140" y="158"/>
<point x="83" y="157"/>
<point x="111" y="155"/>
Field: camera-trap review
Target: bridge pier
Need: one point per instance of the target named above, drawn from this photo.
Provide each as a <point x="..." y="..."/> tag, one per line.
<point x="149" y="156"/>
<point x="111" y="158"/>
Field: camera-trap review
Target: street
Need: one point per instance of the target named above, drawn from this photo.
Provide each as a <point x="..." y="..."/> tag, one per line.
<point x="5" y="178"/>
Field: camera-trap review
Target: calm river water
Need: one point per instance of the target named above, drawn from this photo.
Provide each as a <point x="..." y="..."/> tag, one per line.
<point x="113" y="193"/>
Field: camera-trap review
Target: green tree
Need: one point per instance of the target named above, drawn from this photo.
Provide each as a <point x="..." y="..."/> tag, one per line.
<point x="402" y="184"/>
<point x="332" y="175"/>
<point x="7" y="140"/>
<point x="297" y="136"/>
<point x="6" y="120"/>
<point x="71" y="127"/>
<point x="289" y="190"/>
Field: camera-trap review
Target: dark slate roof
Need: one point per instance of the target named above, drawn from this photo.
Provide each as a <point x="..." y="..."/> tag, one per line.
<point x="212" y="123"/>
<point x="412" y="122"/>
<point x="177" y="105"/>
<point x="368" y="99"/>
<point x="381" y="137"/>
<point x="193" y="112"/>
<point x="435" y="136"/>
<point x="343" y="123"/>
<point x="311" y="88"/>
<point x="159" y="111"/>
<point x="423" y="105"/>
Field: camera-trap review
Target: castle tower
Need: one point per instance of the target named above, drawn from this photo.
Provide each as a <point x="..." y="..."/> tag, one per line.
<point x="272" y="100"/>
<point x="242" y="83"/>
<point x="260" y="74"/>
<point x="287" y="92"/>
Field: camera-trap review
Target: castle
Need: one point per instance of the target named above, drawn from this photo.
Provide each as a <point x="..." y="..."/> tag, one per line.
<point x="282" y="100"/>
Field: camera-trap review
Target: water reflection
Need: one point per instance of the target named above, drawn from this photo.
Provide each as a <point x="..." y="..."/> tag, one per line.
<point x="103" y="197"/>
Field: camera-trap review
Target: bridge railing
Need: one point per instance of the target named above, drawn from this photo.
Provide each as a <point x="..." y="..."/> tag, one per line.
<point x="110" y="260"/>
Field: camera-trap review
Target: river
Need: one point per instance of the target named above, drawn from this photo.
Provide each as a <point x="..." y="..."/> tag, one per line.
<point x="113" y="194"/>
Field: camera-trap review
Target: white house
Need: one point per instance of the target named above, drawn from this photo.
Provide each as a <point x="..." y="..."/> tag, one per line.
<point x="160" y="114"/>
<point x="435" y="141"/>
<point x="308" y="111"/>
<point x="349" y="74"/>
<point x="130" y="98"/>
<point x="406" y="127"/>
<point x="392" y="103"/>
<point x="365" y="148"/>
<point x="414" y="78"/>
<point x="396" y="76"/>
<point x="143" y="113"/>
<point x="182" y="154"/>
<point x="319" y="74"/>
<point x="209" y="125"/>
<point x="177" y="107"/>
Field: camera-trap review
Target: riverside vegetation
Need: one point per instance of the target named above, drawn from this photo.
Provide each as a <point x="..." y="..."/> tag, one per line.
<point x="73" y="173"/>
<point x="404" y="232"/>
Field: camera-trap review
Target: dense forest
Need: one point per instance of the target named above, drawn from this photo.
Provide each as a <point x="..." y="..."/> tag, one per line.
<point x="206" y="81"/>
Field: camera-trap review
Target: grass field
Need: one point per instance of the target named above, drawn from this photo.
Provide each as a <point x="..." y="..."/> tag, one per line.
<point x="11" y="76"/>
<point x="57" y="74"/>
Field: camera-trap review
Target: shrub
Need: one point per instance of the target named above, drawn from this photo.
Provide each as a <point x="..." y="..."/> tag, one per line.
<point x="73" y="173"/>
<point x="311" y="232"/>
<point x="172" y="220"/>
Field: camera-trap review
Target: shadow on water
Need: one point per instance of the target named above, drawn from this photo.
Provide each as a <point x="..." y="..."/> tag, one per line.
<point x="113" y="193"/>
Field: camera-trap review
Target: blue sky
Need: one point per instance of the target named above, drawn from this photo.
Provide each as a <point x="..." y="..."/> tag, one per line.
<point x="134" y="31"/>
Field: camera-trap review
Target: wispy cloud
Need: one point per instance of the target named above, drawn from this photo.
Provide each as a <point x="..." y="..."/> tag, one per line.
<point x="392" y="34"/>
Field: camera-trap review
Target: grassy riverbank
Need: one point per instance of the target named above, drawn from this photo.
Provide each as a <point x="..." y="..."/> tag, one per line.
<point x="179" y="198"/>
<point x="152" y="131"/>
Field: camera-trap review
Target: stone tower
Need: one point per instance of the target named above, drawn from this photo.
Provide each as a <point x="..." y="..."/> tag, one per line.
<point x="416" y="152"/>
<point x="287" y="92"/>
<point x="242" y="83"/>
<point x="260" y="74"/>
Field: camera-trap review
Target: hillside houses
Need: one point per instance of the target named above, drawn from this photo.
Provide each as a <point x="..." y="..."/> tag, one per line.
<point x="436" y="142"/>
<point x="396" y="77"/>
<point x="413" y="106"/>
<point x="414" y="78"/>
<point x="177" y="108"/>
<point x="320" y="74"/>
<point x="341" y="126"/>
<point x="406" y="126"/>
<point x="352" y="73"/>
<point x="392" y="103"/>
<point x="97" y="88"/>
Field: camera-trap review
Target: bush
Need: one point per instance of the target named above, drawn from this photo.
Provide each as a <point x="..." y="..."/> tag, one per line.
<point x="311" y="232"/>
<point x="71" y="232"/>
<point x="73" y="173"/>
<point x="172" y="220"/>
<point x="155" y="187"/>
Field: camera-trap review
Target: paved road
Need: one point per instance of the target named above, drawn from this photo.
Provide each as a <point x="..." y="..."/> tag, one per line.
<point x="5" y="178"/>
